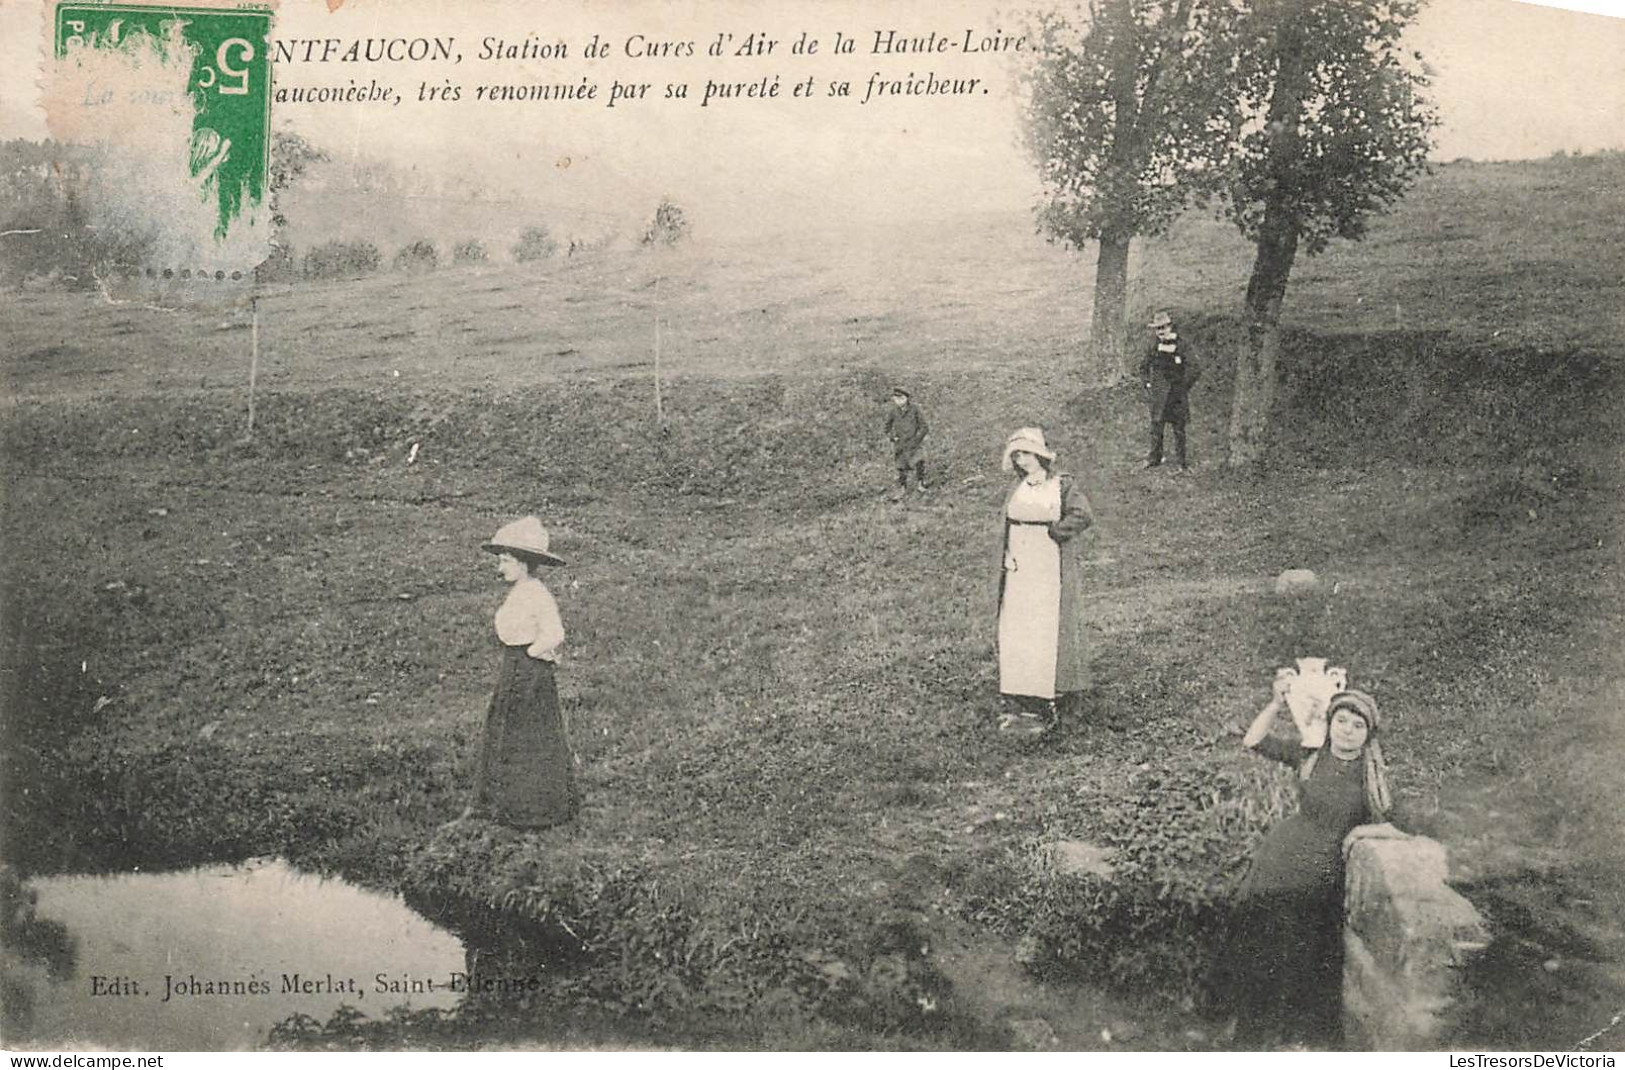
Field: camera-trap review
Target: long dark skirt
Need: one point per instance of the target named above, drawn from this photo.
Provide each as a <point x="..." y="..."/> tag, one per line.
<point x="525" y="776"/>
<point x="1282" y="972"/>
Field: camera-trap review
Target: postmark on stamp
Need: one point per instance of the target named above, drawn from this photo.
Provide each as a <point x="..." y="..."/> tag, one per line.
<point x="173" y="102"/>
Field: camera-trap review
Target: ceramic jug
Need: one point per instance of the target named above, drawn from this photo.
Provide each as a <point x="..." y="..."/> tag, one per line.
<point x="1309" y="689"/>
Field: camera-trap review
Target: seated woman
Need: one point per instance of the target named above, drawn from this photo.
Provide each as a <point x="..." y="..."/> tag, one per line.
<point x="1283" y="974"/>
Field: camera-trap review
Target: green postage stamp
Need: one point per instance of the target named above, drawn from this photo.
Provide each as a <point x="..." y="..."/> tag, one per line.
<point x="174" y="105"/>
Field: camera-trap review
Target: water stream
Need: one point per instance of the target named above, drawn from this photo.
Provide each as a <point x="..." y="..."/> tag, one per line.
<point x="211" y="958"/>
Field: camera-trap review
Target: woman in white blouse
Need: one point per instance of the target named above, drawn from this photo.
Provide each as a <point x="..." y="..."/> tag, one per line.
<point x="525" y="775"/>
<point x="1043" y="653"/>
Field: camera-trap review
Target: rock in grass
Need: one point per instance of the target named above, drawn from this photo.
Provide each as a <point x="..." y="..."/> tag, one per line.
<point x="1033" y="1034"/>
<point x="1123" y="1031"/>
<point x="1296" y="581"/>
<point x="1075" y="858"/>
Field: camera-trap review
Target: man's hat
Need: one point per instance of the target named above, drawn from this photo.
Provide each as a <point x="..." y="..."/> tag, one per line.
<point x="1161" y="319"/>
<point x="899" y="392"/>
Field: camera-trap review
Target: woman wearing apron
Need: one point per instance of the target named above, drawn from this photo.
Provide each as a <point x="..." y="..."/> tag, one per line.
<point x="1042" y="650"/>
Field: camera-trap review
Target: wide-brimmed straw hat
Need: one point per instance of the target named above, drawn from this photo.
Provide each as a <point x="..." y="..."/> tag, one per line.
<point x="1029" y="440"/>
<point x="525" y="538"/>
<point x="1161" y="319"/>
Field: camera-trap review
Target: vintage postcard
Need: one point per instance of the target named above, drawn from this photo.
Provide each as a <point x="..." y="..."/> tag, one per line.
<point x="898" y="526"/>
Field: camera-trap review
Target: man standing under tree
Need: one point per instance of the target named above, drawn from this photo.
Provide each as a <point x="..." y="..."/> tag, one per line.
<point x="905" y="426"/>
<point x="1168" y="370"/>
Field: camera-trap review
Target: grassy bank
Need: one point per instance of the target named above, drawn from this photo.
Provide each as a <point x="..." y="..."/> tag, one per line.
<point x="781" y="685"/>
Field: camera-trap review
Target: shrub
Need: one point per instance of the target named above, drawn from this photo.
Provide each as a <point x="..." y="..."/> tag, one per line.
<point x="471" y="251"/>
<point x="336" y="259"/>
<point x="277" y="266"/>
<point x="59" y="225"/>
<point x="669" y="225"/>
<point x="535" y="244"/>
<point x="417" y="256"/>
<point x="1179" y="838"/>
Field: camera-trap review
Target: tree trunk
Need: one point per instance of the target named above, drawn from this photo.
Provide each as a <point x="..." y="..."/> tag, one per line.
<point x="1111" y="292"/>
<point x="1111" y="265"/>
<point x="1254" y="394"/>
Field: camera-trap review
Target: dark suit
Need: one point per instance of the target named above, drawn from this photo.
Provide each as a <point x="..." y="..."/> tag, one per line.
<point x="1169" y="369"/>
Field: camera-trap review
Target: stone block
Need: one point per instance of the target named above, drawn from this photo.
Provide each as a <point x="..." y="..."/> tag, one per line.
<point x="1405" y="934"/>
<point x="1382" y="1015"/>
<point x="1398" y="902"/>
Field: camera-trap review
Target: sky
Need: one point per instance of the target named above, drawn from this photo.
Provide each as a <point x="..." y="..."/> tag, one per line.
<point x="1511" y="80"/>
<point x="1519" y="80"/>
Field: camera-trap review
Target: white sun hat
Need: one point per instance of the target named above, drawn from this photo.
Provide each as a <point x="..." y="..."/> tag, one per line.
<point x="1029" y="440"/>
<point x="523" y="538"/>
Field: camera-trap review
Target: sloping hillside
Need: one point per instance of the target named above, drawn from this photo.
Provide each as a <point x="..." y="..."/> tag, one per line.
<point x="781" y="685"/>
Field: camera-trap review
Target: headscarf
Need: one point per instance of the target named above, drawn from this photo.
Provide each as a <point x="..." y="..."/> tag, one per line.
<point x="1377" y="800"/>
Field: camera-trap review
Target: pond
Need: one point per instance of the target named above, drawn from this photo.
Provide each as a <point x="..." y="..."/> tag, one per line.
<point x="212" y="958"/>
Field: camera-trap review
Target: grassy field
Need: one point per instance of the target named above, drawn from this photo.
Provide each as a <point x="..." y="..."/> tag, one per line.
<point x="800" y="828"/>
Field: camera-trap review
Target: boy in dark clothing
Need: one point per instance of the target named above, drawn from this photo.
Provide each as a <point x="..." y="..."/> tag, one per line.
<point x="1168" y="370"/>
<point x="905" y="426"/>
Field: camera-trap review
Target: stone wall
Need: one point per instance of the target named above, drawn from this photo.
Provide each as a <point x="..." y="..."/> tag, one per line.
<point x="1406" y="935"/>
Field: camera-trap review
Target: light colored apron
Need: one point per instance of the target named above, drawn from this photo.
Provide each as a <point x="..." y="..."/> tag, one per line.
<point x="1030" y="614"/>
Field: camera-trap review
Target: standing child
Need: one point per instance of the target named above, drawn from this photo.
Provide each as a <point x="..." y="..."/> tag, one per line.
<point x="905" y="426"/>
